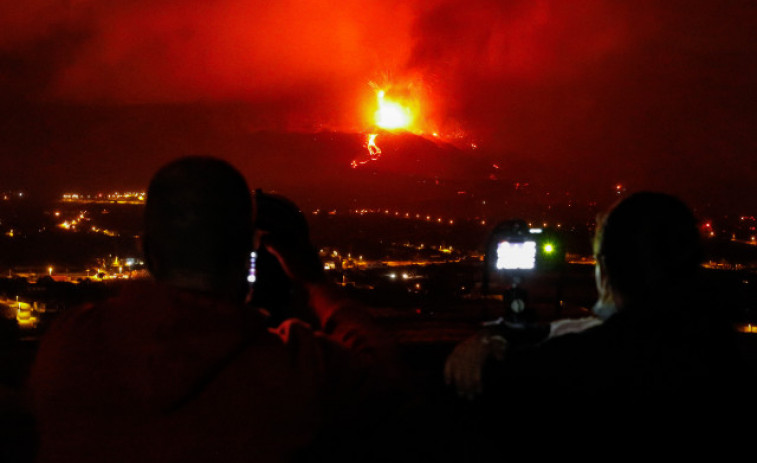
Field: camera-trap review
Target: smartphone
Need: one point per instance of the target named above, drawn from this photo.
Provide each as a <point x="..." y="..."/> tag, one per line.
<point x="251" y="277"/>
<point x="516" y="255"/>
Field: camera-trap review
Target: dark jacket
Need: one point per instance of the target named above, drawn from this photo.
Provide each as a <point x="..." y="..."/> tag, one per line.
<point x="645" y="372"/>
<point x="161" y="374"/>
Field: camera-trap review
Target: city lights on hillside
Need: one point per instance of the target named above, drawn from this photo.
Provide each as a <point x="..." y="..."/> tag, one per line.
<point x="135" y="198"/>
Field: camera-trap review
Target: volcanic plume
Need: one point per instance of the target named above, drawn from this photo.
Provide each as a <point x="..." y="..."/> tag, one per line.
<point x="592" y="91"/>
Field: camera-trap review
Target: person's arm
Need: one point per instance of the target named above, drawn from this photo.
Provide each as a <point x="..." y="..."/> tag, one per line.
<point x="363" y="382"/>
<point x="464" y="367"/>
<point x="341" y="319"/>
<point x="572" y="325"/>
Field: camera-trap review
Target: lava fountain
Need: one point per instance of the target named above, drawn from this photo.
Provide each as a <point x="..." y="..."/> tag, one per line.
<point x="389" y="115"/>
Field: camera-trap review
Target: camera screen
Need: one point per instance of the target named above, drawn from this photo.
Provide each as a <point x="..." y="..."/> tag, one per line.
<point x="251" y="275"/>
<point x="516" y="256"/>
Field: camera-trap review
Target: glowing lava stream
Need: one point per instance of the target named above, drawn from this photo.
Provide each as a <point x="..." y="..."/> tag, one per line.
<point x="389" y="115"/>
<point x="373" y="151"/>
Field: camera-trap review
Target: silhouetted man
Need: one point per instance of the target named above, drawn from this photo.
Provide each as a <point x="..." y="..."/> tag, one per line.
<point x="662" y="354"/>
<point x="180" y="369"/>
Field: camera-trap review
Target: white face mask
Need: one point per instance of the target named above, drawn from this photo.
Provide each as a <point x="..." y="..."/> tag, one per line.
<point x="605" y="306"/>
<point x="604" y="310"/>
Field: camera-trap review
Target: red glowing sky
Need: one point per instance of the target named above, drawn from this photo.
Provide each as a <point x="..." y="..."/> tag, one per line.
<point x="659" y="91"/>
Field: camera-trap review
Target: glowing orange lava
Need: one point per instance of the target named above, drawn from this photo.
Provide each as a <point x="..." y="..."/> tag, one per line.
<point x="374" y="152"/>
<point x="390" y="114"/>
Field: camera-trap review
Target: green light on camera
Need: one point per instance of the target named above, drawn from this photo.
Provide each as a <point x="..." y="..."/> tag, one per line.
<point x="548" y="248"/>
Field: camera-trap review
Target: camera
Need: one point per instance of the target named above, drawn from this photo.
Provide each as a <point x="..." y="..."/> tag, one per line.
<point x="515" y="249"/>
<point x="511" y="249"/>
<point x="515" y="252"/>
<point x="516" y="255"/>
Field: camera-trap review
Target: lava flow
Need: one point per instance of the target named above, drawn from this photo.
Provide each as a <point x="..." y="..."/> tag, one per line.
<point x="373" y="151"/>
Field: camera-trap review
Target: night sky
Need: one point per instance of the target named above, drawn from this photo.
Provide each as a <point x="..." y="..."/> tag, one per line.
<point x="653" y="94"/>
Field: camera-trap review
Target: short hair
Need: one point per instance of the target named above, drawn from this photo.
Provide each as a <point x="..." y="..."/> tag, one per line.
<point x="649" y="243"/>
<point x="198" y="220"/>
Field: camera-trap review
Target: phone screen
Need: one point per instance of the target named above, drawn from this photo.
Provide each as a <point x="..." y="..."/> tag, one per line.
<point x="251" y="275"/>
<point x="516" y="256"/>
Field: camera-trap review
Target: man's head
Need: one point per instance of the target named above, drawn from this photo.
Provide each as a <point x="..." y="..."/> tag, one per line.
<point x="647" y="246"/>
<point x="198" y="226"/>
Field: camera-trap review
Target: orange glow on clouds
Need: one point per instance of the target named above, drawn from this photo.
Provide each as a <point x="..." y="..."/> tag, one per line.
<point x="231" y="49"/>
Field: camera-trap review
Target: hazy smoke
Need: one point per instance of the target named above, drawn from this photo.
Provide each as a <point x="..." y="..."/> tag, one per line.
<point x="580" y="81"/>
<point x="168" y="51"/>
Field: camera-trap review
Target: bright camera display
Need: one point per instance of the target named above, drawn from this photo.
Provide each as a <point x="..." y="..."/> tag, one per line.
<point x="516" y="256"/>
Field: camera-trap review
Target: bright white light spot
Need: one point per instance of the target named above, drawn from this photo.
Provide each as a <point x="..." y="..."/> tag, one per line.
<point x="516" y="256"/>
<point x="251" y="275"/>
<point x="391" y="115"/>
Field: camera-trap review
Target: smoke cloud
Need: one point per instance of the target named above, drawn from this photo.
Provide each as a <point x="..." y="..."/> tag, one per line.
<point x="587" y="81"/>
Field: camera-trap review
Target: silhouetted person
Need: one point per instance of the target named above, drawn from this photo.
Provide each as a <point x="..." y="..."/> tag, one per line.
<point x="661" y="353"/>
<point x="180" y="369"/>
<point x="273" y="290"/>
<point x="17" y="433"/>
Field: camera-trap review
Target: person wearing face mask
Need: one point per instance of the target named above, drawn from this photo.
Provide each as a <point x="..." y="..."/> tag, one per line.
<point x="659" y="344"/>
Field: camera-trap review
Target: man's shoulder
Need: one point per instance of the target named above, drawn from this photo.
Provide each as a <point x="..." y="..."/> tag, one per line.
<point x="79" y="322"/>
<point x="71" y="328"/>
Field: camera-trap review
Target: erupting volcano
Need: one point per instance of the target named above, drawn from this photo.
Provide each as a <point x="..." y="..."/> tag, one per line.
<point x="389" y="115"/>
<point x="579" y="94"/>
